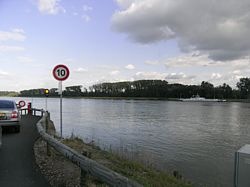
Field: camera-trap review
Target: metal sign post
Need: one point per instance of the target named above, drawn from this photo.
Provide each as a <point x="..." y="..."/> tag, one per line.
<point x="46" y="93"/>
<point x="46" y="104"/>
<point x="60" y="92"/>
<point x="60" y="73"/>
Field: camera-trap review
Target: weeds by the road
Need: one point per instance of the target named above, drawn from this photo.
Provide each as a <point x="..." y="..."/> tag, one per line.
<point x="146" y="176"/>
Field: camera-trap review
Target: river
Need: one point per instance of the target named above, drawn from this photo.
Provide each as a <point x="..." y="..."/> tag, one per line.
<point x="196" y="139"/>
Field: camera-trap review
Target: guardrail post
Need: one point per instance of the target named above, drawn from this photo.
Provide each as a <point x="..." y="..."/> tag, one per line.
<point x="29" y="108"/>
<point x="47" y="130"/>
<point x="84" y="173"/>
<point x="83" y="178"/>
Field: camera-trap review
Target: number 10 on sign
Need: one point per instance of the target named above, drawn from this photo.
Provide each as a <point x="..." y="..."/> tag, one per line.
<point x="60" y="73"/>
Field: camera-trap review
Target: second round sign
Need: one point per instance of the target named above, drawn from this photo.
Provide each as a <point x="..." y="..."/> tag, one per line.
<point x="21" y="103"/>
<point x="61" y="72"/>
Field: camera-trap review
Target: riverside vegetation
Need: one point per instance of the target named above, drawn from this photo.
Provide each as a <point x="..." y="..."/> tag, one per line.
<point x="157" y="89"/>
<point x="145" y="175"/>
<point x="61" y="172"/>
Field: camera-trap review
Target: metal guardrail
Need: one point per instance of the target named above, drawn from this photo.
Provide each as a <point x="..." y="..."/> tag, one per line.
<point x="87" y="165"/>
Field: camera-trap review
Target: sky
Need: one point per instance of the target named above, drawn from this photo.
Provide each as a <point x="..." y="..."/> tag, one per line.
<point x="178" y="41"/>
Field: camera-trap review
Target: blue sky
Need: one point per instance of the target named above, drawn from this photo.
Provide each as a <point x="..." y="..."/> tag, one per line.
<point x="118" y="40"/>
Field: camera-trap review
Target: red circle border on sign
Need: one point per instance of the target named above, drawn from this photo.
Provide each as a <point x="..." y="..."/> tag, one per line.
<point x="60" y="66"/>
<point x="21" y="102"/>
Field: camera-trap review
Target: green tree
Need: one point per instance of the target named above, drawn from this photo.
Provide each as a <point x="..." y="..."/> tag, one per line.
<point x="207" y="90"/>
<point x="244" y="87"/>
<point x="73" y="91"/>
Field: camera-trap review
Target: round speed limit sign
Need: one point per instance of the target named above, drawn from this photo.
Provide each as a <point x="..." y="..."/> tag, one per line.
<point x="21" y="103"/>
<point x="61" y="72"/>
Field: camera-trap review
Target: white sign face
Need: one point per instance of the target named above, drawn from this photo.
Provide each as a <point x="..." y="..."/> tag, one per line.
<point x="61" y="72"/>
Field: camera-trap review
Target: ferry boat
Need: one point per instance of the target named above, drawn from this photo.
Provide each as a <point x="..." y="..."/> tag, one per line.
<point x="197" y="98"/>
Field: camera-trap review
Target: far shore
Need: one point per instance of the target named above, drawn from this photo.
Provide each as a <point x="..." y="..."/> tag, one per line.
<point x="130" y="98"/>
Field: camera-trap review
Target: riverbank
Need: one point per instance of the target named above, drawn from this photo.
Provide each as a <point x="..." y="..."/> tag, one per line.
<point x="146" y="176"/>
<point x="61" y="172"/>
<point x="153" y="98"/>
<point x="132" y="98"/>
<point x="109" y="98"/>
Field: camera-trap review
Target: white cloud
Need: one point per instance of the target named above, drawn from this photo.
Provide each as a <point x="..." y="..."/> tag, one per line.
<point x="50" y="6"/>
<point x="238" y="77"/>
<point x="7" y="48"/>
<point x="181" y="77"/>
<point x="217" y="28"/>
<point x="124" y="3"/>
<point x="16" y="35"/>
<point x="197" y="67"/>
<point x="130" y="67"/>
<point x="177" y="76"/>
<point x="152" y="62"/>
<point x="86" y="18"/>
<point x="87" y="8"/>
<point x="191" y="60"/>
<point x="115" y="72"/>
<point x="18" y="30"/>
<point x="81" y="70"/>
<point x="241" y="64"/>
<point x="4" y="73"/>
<point x="216" y="76"/>
<point x="149" y="75"/>
<point x="25" y="59"/>
<point x="236" y="72"/>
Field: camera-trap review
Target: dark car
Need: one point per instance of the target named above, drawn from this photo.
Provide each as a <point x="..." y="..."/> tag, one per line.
<point x="9" y="115"/>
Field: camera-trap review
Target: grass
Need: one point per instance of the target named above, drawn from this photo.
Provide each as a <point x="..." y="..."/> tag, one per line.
<point x="147" y="176"/>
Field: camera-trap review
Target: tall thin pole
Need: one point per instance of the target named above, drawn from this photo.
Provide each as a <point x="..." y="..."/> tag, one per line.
<point x="60" y="89"/>
<point x="61" y="114"/>
<point x="46" y="104"/>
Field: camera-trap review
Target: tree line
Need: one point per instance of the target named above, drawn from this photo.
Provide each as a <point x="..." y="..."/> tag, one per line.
<point x="150" y="88"/>
<point x="8" y="93"/>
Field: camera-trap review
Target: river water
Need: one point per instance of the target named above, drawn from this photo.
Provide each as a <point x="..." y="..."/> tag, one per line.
<point x="196" y="139"/>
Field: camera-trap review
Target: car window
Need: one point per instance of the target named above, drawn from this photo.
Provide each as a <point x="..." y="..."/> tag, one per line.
<point x="7" y="104"/>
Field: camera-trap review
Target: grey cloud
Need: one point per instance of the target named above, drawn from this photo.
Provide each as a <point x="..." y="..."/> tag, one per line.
<point x="218" y="28"/>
